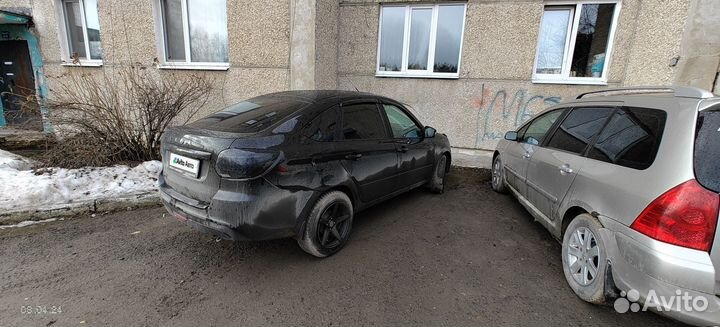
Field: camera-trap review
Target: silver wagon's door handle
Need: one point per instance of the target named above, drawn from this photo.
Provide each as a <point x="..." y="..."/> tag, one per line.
<point x="565" y="169"/>
<point x="527" y="155"/>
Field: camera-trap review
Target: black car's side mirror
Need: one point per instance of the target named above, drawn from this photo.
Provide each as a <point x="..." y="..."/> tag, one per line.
<point x="511" y="136"/>
<point x="430" y="132"/>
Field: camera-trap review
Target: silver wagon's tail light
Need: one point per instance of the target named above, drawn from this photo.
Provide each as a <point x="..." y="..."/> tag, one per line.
<point x="686" y="215"/>
<point x="246" y="164"/>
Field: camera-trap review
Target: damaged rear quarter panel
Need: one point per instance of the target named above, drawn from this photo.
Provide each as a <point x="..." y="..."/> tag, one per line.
<point x="306" y="180"/>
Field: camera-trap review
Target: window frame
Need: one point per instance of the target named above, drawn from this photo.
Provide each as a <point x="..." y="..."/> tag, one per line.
<point x="161" y="41"/>
<point x="65" y="47"/>
<point x="411" y="73"/>
<point x="564" y="77"/>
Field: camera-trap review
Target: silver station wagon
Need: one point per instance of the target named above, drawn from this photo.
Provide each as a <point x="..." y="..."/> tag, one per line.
<point x="628" y="180"/>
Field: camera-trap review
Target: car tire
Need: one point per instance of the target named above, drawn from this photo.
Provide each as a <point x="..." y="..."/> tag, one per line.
<point x="498" y="176"/>
<point x="328" y="226"/>
<point x="583" y="251"/>
<point x="437" y="182"/>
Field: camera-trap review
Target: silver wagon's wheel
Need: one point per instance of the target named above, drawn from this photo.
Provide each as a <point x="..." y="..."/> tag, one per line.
<point x="498" y="176"/>
<point x="584" y="258"/>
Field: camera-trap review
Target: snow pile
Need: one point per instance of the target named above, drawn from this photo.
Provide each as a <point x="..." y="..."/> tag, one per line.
<point x="24" y="189"/>
<point x="29" y="223"/>
<point x="13" y="161"/>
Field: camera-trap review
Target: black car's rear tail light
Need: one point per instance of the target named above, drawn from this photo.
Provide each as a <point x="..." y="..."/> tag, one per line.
<point x="244" y="164"/>
<point x="685" y="216"/>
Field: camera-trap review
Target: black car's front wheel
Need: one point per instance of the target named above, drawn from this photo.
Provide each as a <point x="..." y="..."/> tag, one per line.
<point x="328" y="226"/>
<point x="437" y="182"/>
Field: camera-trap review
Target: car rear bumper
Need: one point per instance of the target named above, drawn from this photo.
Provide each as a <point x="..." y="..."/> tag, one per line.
<point x="197" y="218"/>
<point x="659" y="271"/>
<point x="234" y="214"/>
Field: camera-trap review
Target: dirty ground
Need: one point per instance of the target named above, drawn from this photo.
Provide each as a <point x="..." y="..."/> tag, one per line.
<point x="469" y="257"/>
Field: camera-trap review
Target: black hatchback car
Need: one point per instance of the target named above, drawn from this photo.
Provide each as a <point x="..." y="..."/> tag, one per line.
<point x="297" y="164"/>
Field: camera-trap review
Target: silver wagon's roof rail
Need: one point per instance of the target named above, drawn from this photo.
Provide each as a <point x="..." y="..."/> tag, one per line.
<point x="678" y="91"/>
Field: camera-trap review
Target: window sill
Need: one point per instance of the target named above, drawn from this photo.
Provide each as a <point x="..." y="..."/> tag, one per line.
<point x="195" y="67"/>
<point x="570" y="82"/>
<point x="83" y="64"/>
<point x="438" y="76"/>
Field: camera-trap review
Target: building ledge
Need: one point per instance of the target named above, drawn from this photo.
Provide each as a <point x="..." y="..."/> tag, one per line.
<point x="83" y="64"/>
<point x="571" y="82"/>
<point x="472" y="158"/>
<point x="194" y="67"/>
<point x="430" y="76"/>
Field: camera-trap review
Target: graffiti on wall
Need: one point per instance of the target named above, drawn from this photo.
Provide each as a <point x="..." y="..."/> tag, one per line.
<point x="501" y="110"/>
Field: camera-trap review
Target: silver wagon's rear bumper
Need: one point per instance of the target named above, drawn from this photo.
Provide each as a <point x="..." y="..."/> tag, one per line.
<point x="659" y="271"/>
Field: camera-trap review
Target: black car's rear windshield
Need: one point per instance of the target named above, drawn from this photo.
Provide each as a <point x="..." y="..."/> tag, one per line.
<point x="707" y="150"/>
<point x="252" y="115"/>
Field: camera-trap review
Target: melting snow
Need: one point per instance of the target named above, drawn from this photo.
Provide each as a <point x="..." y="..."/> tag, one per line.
<point x="24" y="189"/>
<point x="29" y="223"/>
<point x="13" y="161"/>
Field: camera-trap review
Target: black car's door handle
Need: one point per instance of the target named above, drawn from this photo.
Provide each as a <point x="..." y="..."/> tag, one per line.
<point x="353" y="156"/>
<point x="402" y="148"/>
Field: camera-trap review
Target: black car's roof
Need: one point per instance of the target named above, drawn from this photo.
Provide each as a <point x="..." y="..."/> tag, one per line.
<point x="314" y="96"/>
<point x="259" y="113"/>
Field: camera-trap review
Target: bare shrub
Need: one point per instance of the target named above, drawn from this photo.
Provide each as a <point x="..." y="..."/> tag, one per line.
<point x="119" y="115"/>
<point x="76" y="151"/>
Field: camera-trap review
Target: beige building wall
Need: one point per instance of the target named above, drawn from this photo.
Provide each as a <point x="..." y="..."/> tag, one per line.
<point x="699" y="62"/>
<point x="495" y="92"/>
<point x="658" y="29"/>
<point x="259" y="45"/>
<point x="326" y="44"/>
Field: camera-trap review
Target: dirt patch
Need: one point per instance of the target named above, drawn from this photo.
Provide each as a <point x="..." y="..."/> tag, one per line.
<point x="468" y="257"/>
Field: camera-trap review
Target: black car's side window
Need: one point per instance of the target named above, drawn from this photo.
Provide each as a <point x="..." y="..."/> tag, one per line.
<point x="535" y="132"/>
<point x="362" y="121"/>
<point x="631" y="138"/>
<point x="323" y="127"/>
<point x="579" y="128"/>
<point x="401" y="124"/>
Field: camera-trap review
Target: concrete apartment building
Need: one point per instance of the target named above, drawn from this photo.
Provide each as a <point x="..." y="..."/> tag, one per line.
<point x="473" y="69"/>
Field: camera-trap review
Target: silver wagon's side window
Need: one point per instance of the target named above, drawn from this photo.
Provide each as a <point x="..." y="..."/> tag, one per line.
<point x="579" y="128"/>
<point x="535" y="132"/>
<point x="631" y="138"/>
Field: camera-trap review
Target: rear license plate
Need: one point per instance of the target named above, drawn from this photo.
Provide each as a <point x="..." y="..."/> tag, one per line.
<point x="187" y="165"/>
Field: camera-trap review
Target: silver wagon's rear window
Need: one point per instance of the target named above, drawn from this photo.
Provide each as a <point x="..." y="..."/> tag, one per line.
<point x="707" y="150"/>
<point x="631" y="138"/>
